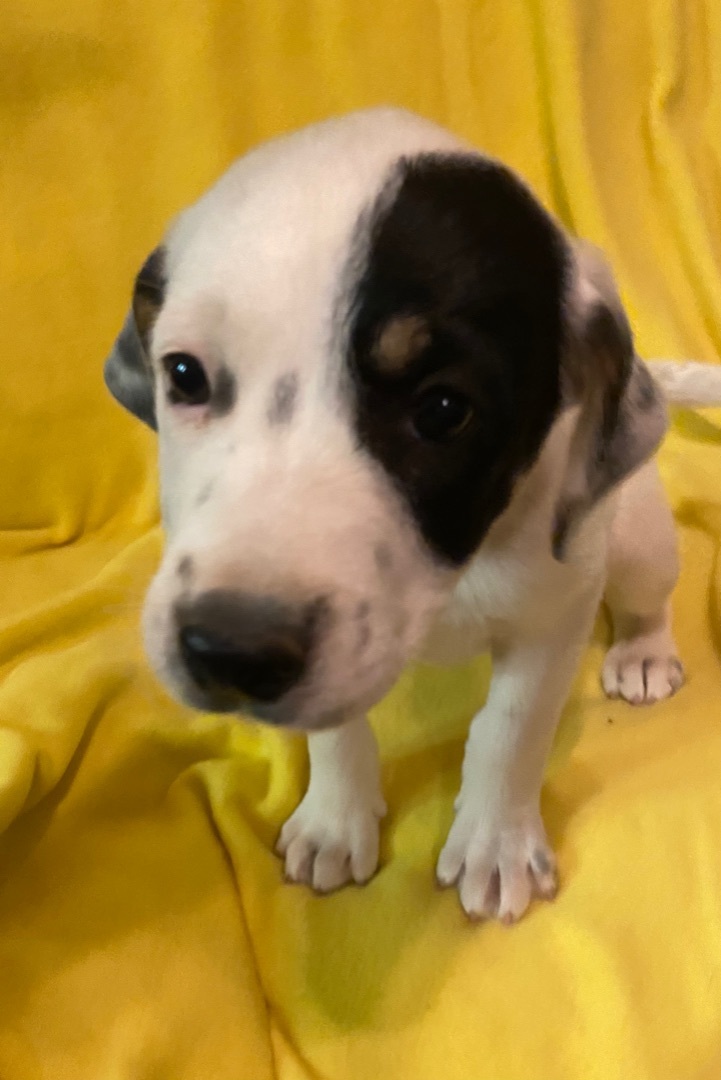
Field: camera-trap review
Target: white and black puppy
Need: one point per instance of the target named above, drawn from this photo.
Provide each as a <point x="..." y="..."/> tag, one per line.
<point x="400" y="416"/>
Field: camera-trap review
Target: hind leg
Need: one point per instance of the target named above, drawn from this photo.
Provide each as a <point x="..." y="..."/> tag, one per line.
<point x="642" y="665"/>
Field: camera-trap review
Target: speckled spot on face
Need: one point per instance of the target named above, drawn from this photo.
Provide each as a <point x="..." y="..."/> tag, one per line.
<point x="284" y="399"/>
<point x="185" y="568"/>
<point x="383" y="557"/>
<point x="362" y="613"/>
<point x="204" y="493"/>
<point x="224" y="393"/>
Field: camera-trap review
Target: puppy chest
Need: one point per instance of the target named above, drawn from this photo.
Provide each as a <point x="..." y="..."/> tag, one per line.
<point x="496" y="598"/>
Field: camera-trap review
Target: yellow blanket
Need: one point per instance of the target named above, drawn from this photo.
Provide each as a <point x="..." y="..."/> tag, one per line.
<point x="145" y="931"/>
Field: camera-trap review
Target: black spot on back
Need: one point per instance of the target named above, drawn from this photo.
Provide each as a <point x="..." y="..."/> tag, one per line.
<point x="463" y="245"/>
<point x="283" y="399"/>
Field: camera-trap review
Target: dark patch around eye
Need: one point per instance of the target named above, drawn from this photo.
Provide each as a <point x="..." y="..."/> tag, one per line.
<point x="463" y="247"/>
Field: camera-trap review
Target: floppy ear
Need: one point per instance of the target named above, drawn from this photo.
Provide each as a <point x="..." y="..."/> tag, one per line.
<point x="622" y="416"/>
<point x="127" y="369"/>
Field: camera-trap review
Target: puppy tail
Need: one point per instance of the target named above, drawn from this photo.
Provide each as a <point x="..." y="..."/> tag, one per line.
<point x="687" y="383"/>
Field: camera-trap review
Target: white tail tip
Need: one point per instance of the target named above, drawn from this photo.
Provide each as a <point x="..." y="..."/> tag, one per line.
<point x="688" y="383"/>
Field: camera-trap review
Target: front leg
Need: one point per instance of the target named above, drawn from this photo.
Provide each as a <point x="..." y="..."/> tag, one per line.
<point x="497" y="850"/>
<point x="332" y="838"/>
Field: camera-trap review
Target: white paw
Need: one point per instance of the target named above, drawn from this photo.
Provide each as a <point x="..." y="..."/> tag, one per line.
<point x="642" y="670"/>
<point x="498" y="869"/>
<point x="327" y="846"/>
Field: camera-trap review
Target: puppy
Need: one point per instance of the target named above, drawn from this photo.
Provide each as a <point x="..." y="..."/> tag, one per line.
<point x="400" y="415"/>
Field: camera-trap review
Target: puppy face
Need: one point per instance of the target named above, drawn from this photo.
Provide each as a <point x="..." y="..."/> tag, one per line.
<point x="352" y="348"/>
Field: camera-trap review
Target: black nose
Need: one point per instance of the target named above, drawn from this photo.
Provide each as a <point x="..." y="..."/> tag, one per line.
<point x="255" y="646"/>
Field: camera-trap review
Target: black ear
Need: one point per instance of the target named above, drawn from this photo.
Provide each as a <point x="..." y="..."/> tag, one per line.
<point x="622" y="416"/>
<point x="127" y="369"/>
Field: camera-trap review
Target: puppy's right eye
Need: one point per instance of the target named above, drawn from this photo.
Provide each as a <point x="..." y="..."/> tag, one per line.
<point x="188" y="382"/>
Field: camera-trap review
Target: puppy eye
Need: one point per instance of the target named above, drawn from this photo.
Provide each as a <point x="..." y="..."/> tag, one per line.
<point x="188" y="382"/>
<point x="441" y="413"/>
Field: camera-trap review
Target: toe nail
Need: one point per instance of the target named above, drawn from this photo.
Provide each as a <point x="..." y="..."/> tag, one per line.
<point x="549" y="889"/>
<point x="541" y="862"/>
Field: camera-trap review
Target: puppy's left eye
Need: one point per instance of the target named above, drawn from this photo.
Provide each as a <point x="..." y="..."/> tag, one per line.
<point x="188" y="382"/>
<point x="441" y="413"/>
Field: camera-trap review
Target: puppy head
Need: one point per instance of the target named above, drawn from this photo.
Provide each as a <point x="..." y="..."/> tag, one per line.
<point x="352" y="347"/>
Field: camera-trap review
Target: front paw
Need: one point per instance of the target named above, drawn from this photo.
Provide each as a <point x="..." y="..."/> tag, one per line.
<point x="327" y="846"/>
<point x="643" y="670"/>
<point x="498" y="867"/>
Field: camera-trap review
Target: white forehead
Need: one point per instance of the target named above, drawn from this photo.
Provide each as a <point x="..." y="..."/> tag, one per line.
<point x="273" y="235"/>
